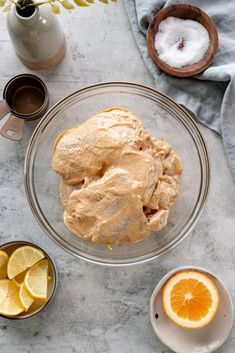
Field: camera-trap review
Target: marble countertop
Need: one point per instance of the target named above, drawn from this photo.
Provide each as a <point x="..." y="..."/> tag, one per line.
<point x="100" y="309"/>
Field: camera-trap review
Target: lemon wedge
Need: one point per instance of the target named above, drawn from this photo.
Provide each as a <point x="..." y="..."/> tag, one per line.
<point x="19" y="279"/>
<point x="3" y="264"/>
<point x="10" y="304"/>
<point x="36" y="280"/>
<point x="23" y="258"/>
<point x="25" y="298"/>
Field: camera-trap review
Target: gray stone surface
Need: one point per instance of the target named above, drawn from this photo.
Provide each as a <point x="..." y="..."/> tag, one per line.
<point x="99" y="309"/>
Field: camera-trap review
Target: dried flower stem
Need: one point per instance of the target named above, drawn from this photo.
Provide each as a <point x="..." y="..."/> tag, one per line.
<point x="67" y="4"/>
<point x="15" y="3"/>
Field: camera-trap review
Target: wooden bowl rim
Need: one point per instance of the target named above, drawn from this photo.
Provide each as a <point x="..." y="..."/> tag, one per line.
<point x="190" y="70"/>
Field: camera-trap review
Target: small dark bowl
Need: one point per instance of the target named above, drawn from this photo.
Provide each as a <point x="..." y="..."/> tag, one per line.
<point x="36" y="307"/>
<point x="183" y="11"/>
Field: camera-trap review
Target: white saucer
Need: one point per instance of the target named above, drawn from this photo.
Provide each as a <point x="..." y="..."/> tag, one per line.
<point x="204" y="340"/>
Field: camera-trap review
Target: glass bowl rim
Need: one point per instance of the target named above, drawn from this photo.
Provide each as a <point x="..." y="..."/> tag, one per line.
<point x="205" y="177"/>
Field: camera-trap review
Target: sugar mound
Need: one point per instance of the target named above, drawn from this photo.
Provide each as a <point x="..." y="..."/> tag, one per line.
<point x="181" y="42"/>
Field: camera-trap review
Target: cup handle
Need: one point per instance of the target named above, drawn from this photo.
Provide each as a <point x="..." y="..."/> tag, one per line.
<point x="4" y="110"/>
<point x="13" y="129"/>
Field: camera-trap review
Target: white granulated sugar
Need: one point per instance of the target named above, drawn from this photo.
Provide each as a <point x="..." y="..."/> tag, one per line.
<point x="181" y="42"/>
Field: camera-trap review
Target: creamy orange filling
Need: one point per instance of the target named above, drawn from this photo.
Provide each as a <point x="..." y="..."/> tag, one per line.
<point x="118" y="182"/>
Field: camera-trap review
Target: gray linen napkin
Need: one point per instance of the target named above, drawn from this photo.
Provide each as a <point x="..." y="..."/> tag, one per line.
<point x="210" y="95"/>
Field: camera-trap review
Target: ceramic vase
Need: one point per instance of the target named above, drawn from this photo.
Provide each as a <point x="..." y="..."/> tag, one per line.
<point x="38" y="39"/>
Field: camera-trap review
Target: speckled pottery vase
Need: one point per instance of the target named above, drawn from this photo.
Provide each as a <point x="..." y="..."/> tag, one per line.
<point x="37" y="37"/>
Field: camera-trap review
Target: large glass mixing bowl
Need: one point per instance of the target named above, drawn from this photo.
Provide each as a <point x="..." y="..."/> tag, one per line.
<point x="164" y="119"/>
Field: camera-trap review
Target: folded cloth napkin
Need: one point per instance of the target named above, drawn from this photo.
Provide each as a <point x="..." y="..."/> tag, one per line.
<point x="210" y="95"/>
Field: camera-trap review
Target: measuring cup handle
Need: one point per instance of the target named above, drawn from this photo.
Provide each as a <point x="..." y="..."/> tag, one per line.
<point x="13" y="129"/>
<point x="3" y="108"/>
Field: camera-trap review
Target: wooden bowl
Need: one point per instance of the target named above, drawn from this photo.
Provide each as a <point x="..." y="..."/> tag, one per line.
<point x="183" y="11"/>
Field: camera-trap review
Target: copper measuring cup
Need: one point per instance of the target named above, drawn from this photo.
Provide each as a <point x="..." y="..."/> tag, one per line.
<point x="26" y="97"/>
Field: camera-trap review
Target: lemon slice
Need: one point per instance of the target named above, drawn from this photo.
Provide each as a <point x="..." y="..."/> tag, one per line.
<point x="3" y="264"/>
<point x="23" y="258"/>
<point x="19" y="279"/>
<point x="190" y="299"/>
<point x="36" y="280"/>
<point x="25" y="298"/>
<point x="10" y="304"/>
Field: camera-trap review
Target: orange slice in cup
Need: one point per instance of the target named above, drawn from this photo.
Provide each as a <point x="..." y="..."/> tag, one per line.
<point x="190" y="299"/>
